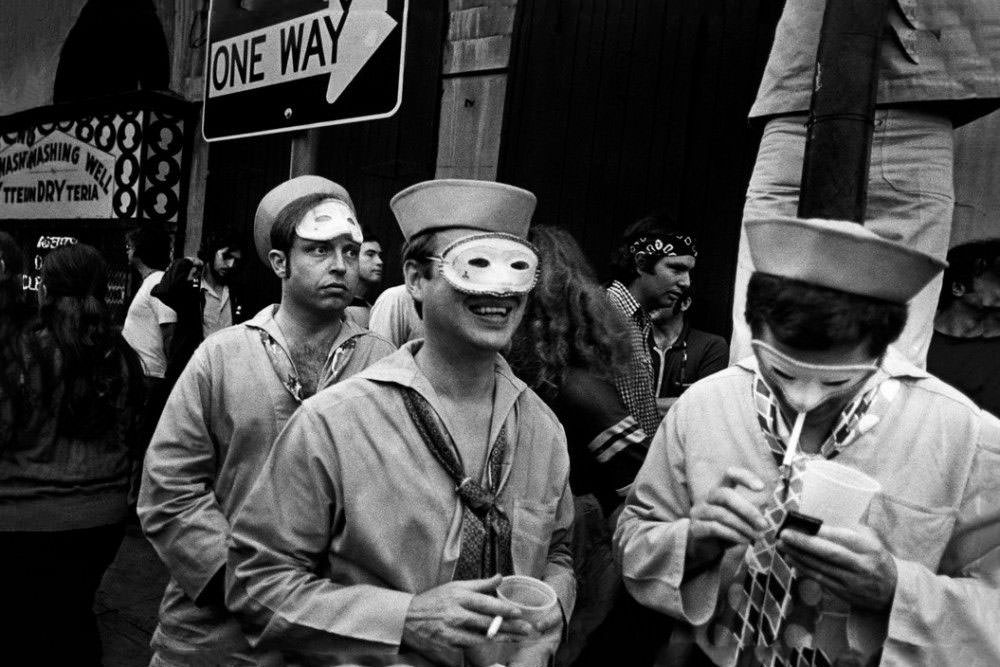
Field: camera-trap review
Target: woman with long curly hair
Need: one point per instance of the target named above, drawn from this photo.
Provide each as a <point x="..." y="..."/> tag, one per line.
<point x="64" y="468"/>
<point x="569" y="348"/>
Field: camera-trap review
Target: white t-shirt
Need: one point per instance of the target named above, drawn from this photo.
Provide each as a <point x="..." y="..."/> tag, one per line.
<point x="142" y="327"/>
<point x="394" y="317"/>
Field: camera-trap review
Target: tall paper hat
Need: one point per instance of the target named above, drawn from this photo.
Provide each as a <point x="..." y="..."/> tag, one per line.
<point x="456" y="203"/>
<point x="840" y="255"/>
<point x="284" y="194"/>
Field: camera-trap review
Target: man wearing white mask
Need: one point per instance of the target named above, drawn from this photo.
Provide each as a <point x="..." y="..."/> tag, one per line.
<point x="392" y="503"/>
<point x="701" y="537"/>
<point x="231" y="401"/>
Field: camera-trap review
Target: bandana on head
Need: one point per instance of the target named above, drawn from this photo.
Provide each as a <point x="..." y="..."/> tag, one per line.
<point x="493" y="264"/>
<point x="657" y="246"/>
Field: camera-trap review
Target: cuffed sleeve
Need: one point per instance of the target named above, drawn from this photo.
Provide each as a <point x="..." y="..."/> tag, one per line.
<point x="279" y="548"/>
<point x="177" y="506"/>
<point x="651" y="537"/>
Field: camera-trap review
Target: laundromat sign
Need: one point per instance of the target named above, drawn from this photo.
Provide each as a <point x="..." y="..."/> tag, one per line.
<point x="121" y="158"/>
<point x="57" y="177"/>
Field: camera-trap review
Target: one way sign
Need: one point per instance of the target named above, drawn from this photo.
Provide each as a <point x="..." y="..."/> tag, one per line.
<point x="280" y="65"/>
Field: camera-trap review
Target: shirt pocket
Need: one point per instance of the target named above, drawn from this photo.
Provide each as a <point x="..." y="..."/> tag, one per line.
<point x="911" y="531"/>
<point x="531" y="534"/>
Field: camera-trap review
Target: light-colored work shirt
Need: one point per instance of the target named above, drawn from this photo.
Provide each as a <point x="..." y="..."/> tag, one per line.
<point x="394" y="317"/>
<point x="937" y="53"/>
<point x="216" y="313"/>
<point x="937" y="457"/>
<point x="146" y="314"/>
<point x="352" y="515"/>
<point x="226" y="409"/>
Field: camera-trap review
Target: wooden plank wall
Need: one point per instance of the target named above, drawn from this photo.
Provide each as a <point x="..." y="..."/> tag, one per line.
<point x="476" y="57"/>
<point x="616" y="108"/>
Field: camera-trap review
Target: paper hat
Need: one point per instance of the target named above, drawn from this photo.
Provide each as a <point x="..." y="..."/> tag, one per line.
<point x="840" y="255"/>
<point x="451" y="203"/>
<point x="281" y="196"/>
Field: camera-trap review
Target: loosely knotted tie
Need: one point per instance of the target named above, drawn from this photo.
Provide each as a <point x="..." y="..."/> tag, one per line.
<point x="766" y="613"/>
<point x="486" y="531"/>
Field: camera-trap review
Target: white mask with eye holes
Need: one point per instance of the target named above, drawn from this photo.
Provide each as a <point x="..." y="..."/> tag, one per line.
<point x="805" y="386"/>
<point x="491" y="264"/>
<point x="328" y="220"/>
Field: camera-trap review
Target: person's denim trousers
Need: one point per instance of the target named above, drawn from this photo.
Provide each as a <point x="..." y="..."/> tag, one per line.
<point x="910" y="200"/>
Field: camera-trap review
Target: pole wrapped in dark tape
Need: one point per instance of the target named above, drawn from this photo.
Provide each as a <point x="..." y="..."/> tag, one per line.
<point x="842" y="111"/>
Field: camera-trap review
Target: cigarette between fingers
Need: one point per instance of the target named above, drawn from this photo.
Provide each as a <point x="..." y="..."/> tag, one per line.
<point x="491" y="631"/>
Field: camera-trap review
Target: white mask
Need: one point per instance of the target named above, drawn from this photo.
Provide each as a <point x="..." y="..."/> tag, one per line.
<point x="805" y="386"/>
<point x="492" y="264"/>
<point x="327" y="221"/>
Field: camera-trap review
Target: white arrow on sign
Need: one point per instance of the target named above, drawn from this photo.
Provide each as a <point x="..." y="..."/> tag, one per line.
<point x="369" y="32"/>
<point x="331" y="41"/>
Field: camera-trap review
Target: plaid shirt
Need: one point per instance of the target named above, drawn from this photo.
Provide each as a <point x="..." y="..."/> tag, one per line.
<point x="635" y="387"/>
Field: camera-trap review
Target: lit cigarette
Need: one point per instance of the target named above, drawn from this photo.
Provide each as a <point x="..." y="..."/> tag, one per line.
<point x="494" y="628"/>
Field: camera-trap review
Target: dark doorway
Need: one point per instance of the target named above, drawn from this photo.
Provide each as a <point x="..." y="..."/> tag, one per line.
<point x="617" y="108"/>
<point x="115" y="46"/>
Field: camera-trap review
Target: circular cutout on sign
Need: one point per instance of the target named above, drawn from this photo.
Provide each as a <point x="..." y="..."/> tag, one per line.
<point x="159" y="203"/>
<point x="124" y="202"/>
<point x="163" y="170"/>
<point x="84" y="129"/>
<point x="163" y="137"/>
<point x="126" y="170"/>
<point x="104" y="134"/>
<point x="129" y="135"/>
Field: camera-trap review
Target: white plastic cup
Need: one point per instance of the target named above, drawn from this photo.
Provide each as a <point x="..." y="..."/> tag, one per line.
<point x="835" y="493"/>
<point x="533" y="597"/>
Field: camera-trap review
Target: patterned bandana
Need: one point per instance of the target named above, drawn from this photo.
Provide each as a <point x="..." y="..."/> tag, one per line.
<point x="667" y="245"/>
<point x="486" y="530"/>
<point x="772" y="615"/>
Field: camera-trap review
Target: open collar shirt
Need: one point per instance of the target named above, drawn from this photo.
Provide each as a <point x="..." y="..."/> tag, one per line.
<point x="352" y="515"/>
<point x="937" y="457"/>
<point x="216" y="312"/>
<point x="226" y="409"/>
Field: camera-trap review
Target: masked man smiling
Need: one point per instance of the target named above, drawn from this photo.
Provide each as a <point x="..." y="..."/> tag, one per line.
<point x="391" y="503"/>
<point x="916" y="582"/>
<point x="240" y="387"/>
